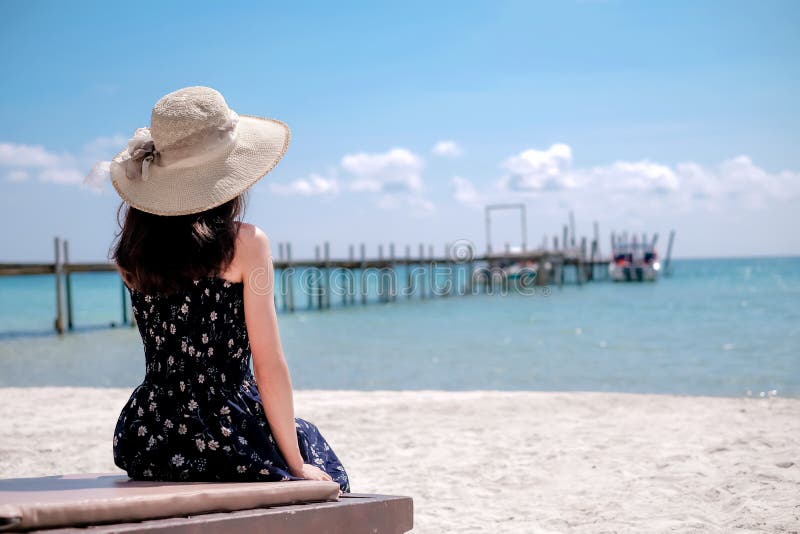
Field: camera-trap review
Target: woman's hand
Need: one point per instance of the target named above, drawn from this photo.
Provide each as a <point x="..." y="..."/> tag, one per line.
<point x="311" y="472"/>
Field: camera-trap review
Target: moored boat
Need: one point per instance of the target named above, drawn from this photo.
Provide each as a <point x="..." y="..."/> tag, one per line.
<point x="634" y="261"/>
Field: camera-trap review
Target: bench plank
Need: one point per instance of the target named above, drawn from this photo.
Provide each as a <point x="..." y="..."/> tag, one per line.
<point x="113" y="503"/>
<point x="354" y="513"/>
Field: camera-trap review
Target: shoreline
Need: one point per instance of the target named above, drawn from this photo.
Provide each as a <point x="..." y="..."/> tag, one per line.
<point x="528" y="460"/>
<point x="315" y="391"/>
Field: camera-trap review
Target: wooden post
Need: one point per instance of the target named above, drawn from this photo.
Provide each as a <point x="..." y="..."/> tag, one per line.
<point x="408" y="272"/>
<point x="470" y="268"/>
<point x="344" y="285"/>
<point x="363" y="284"/>
<point x="393" y="274"/>
<point x="572" y="228"/>
<point x="433" y="283"/>
<point x="448" y="264"/>
<point x="320" y="292"/>
<point x="327" y="288"/>
<point x="668" y="258"/>
<point x="381" y="289"/>
<point x="422" y="266"/>
<point x="311" y="282"/>
<point x="68" y="287"/>
<point x="582" y="262"/>
<point x="345" y="277"/>
<point x="58" y="271"/>
<point x="124" y="300"/>
<point x="454" y="267"/>
<point x="351" y="280"/>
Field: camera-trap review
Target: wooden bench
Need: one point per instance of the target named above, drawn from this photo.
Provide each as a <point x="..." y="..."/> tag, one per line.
<point x="114" y="503"/>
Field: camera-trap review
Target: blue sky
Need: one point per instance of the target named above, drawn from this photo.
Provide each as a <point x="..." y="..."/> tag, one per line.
<point x="644" y="116"/>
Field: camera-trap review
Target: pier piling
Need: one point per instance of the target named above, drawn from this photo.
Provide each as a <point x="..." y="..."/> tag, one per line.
<point x="59" y="271"/>
<point x="68" y="287"/>
<point x="423" y="276"/>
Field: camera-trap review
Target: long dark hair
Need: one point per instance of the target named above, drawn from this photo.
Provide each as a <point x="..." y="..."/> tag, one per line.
<point x="163" y="254"/>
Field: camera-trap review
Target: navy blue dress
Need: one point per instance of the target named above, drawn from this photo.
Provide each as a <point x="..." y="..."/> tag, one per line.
<point x="198" y="414"/>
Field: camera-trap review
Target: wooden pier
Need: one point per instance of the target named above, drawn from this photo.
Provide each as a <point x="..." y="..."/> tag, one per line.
<point x="362" y="280"/>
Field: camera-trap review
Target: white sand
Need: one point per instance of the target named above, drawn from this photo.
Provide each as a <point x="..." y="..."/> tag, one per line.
<point x="499" y="461"/>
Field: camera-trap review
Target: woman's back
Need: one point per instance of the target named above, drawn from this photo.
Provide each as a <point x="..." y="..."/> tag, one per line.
<point x="197" y="415"/>
<point x="201" y="323"/>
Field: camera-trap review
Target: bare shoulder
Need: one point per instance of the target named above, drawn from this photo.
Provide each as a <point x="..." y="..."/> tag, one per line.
<point x="253" y="244"/>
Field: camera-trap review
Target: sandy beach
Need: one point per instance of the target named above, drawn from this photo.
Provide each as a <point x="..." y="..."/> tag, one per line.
<point x="487" y="461"/>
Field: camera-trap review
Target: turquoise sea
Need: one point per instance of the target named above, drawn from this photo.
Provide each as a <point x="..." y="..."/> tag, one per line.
<point x="716" y="327"/>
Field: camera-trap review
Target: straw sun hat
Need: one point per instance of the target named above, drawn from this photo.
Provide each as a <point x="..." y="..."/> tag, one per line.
<point x="196" y="155"/>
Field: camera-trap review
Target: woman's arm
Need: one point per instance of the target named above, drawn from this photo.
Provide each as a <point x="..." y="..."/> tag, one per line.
<point x="272" y="373"/>
<point x="269" y="364"/>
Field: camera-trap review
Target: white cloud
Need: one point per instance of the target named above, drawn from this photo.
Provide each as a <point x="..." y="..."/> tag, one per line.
<point x="20" y="162"/>
<point x="641" y="176"/>
<point x="539" y="170"/>
<point x="449" y="149"/>
<point x="681" y="186"/>
<point x="395" y="175"/>
<point x="397" y="170"/>
<point x="313" y="185"/>
<point x="737" y="180"/>
<point x="36" y="156"/>
<point x="740" y="176"/>
<point x="464" y="191"/>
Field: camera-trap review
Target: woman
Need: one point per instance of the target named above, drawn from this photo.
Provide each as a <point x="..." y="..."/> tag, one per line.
<point x="200" y="282"/>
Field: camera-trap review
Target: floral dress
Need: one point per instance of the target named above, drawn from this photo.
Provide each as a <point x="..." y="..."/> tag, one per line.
<point x="198" y="414"/>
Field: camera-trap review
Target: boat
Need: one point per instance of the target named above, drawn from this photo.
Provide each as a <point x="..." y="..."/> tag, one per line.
<point x="634" y="261"/>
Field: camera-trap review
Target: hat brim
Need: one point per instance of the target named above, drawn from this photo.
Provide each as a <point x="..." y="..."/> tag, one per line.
<point x="260" y="145"/>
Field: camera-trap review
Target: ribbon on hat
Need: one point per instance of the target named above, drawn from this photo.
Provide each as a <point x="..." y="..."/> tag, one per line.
<point x="137" y="166"/>
<point x="134" y="162"/>
<point x="140" y="154"/>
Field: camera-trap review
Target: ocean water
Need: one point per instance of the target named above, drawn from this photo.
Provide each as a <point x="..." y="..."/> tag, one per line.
<point x="721" y="327"/>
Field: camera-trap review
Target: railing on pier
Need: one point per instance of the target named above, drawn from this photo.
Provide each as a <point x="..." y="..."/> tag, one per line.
<point x="459" y="271"/>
